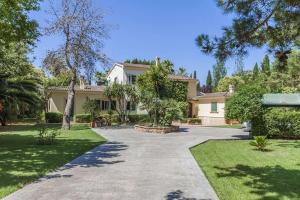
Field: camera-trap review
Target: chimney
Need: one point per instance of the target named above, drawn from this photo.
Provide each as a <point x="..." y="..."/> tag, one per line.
<point x="231" y="89"/>
<point x="81" y="83"/>
<point x="157" y="60"/>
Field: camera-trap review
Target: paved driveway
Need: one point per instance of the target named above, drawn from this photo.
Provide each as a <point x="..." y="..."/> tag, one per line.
<point x="135" y="166"/>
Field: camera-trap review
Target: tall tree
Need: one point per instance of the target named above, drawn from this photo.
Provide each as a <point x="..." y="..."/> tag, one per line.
<point x="265" y="65"/>
<point x="219" y="72"/>
<point x="274" y="23"/>
<point x="195" y="74"/>
<point x="15" y="25"/>
<point x="209" y="79"/>
<point x="83" y="30"/>
<point x="182" y="71"/>
<point x="255" y="70"/>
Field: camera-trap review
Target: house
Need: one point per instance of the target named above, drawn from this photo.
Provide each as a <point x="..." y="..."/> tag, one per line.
<point x="209" y="107"/>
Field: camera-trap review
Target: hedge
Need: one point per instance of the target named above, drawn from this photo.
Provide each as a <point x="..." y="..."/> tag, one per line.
<point x="191" y="121"/>
<point x="83" y="118"/>
<point x="139" y="118"/>
<point x="282" y="123"/>
<point x="53" y="117"/>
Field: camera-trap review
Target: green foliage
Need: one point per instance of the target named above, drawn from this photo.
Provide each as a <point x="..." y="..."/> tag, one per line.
<point x="15" y="24"/>
<point x="139" y="61"/>
<point x="196" y="121"/>
<point x="283" y="123"/>
<point x="260" y="142"/>
<point x="53" y="117"/>
<point x="265" y="65"/>
<point x="219" y="72"/>
<point x="170" y="110"/>
<point x="91" y="107"/>
<point x="177" y="90"/>
<point x="122" y="94"/>
<point x="46" y="136"/>
<point x="208" y="78"/>
<point x="225" y="82"/>
<point x="245" y="104"/>
<point x="181" y="71"/>
<point x="100" y="78"/>
<point x="255" y="71"/>
<point x="83" y="118"/>
<point x="139" y="118"/>
<point x="255" y="23"/>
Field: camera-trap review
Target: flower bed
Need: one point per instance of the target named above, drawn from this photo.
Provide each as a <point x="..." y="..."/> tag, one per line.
<point x="152" y="129"/>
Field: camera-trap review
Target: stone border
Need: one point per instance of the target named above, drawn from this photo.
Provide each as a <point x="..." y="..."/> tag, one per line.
<point x="161" y="130"/>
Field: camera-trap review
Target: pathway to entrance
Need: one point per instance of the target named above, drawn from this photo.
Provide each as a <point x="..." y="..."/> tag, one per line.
<point x="133" y="166"/>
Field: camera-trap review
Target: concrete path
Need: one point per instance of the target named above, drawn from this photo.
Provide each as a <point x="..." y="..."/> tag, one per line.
<point x="133" y="166"/>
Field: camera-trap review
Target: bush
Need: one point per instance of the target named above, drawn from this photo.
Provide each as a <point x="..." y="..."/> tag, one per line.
<point x="139" y="118"/>
<point x="260" y="142"/>
<point x="194" y="121"/>
<point x="283" y="123"/>
<point x="53" y="117"/>
<point x="83" y="118"/>
<point x="111" y="118"/>
<point x="46" y="136"/>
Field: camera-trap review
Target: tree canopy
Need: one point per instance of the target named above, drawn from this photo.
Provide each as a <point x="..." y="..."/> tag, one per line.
<point x="274" y="23"/>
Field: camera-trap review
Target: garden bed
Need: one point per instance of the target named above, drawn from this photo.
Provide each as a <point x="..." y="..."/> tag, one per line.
<point x="152" y="129"/>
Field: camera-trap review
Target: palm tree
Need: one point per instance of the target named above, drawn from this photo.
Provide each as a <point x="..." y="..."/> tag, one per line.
<point x="15" y="91"/>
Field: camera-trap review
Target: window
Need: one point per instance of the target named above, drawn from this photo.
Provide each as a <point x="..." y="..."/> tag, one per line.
<point x="113" y="105"/>
<point x="214" y="107"/>
<point x="131" y="106"/>
<point x="131" y="79"/>
<point x="102" y="105"/>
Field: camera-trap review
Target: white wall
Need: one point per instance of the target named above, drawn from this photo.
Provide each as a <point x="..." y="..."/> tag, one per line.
<point x="116" y="72"/>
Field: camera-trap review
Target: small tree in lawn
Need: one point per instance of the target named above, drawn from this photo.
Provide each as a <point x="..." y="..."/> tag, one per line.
<point x="122" y="94"/>
<point x="83" y="31"/>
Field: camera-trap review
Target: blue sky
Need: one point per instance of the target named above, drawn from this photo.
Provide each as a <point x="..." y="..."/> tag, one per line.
<point x="149" y="28"/>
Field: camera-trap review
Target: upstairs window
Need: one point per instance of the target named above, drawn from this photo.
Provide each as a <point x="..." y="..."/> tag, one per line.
<point x="214" y="107"/>
<point x="131" y="79"/>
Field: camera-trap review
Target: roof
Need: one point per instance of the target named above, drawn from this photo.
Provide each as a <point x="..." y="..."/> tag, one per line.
<point x="144" y="66"/>
<point x="212" y="95"/>
<point x="181" y="78"/>
<point x="88" y="88"/>
<point x="284" y="100"/>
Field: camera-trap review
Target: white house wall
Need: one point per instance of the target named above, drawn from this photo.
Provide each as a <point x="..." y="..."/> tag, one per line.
<point x="116" y="73"/>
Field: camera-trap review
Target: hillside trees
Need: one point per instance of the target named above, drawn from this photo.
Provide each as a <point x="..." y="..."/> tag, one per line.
<point x="83" y="31"/>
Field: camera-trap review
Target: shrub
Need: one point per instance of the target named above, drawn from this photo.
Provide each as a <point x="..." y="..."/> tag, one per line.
<point x="283" y="123"/>
<point x="110" y="118"/>
<point x="139" y="118"/>
<point x="46" y="136"/>
<point x="260" y="142"/>
<point x="53" y="117"/>
<point x="194" y="121"/>
<point x="83" y="118"/>
<point x="171" y="110"/>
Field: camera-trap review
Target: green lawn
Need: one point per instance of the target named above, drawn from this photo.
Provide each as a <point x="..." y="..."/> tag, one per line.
<point x="237" y="171"/>
<point x="22" y="161"/>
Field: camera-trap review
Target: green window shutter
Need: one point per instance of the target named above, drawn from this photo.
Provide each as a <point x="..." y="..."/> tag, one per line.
<point x="214" y="107"/>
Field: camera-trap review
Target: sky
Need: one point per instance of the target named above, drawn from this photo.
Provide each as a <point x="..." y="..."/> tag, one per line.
<point x="149" y="28"/>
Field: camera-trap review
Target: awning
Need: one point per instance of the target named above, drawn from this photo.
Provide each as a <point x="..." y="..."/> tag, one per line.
<point x="282" y="100"/>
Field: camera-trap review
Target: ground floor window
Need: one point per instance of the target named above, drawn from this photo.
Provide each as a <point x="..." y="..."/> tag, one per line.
<point x="106" y="105"/>
<point x="131" y="106"/>
<point x="214" y="107"/>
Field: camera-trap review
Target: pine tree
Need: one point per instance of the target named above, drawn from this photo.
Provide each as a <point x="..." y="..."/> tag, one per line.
<point x="195" y="74"/>
<point x="209" y="78"/>
<point x="265" y="65"/>
<point x="219" y="72"/>
<point x="255" y="70"/>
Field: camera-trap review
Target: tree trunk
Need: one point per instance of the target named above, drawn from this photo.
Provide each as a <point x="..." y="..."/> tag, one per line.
<point x="69" y="105"/>
<point x="3" y="122"/>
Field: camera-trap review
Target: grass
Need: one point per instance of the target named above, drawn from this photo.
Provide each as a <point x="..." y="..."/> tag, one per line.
<point x="237" y="171"/>
<point x="23" y="161"/>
